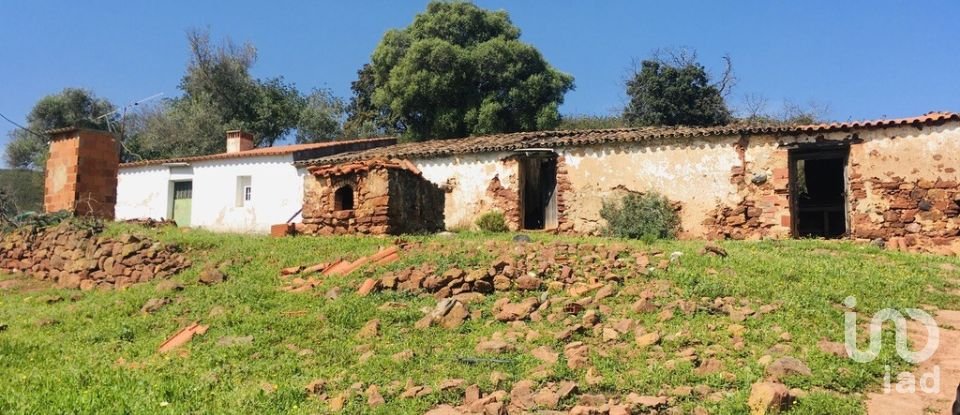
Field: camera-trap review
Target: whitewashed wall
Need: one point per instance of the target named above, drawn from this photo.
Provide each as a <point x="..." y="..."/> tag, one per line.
<point x="277" y="192"/>
<point x="467" y="176"/>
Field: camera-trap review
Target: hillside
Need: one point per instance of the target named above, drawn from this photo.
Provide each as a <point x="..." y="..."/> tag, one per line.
<point x="552" y="323"/>
<point x="25" y="187"/>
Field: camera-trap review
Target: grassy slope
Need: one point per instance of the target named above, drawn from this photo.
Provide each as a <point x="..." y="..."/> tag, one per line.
<point x="72" y="366"/>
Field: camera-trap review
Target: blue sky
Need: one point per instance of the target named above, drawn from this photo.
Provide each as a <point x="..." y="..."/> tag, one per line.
<point x="863" y="59"/>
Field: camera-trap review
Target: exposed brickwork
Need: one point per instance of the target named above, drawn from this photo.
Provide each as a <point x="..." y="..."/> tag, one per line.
<point x="388" y="198"/>
<point x="564" y="187"/>
<point x="506" y="201"/>
<point x="76" y="257"/>
<point x="922" y="211"/>
<point x="764" y="207"/>
<point x="81" y="173"/>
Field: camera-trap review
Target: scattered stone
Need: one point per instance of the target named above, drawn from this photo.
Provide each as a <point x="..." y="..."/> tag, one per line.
<point x="168" y="286"/>
<point x="493" y="346"/>
<point x="444" y="410"/>
<point x="788" y="366"/>
<point x="369" y="330"/>
<point x="712" y="248"/>
<point x="567" y="332"/>
<point x="517" y="311"/>
<point x="528" y="283"/>
<point x="521" y="238"/>
<point x="546" y="355"/>
<point x="49" y="299"/>
<point x="374" y="398"/>
<point x="709" y="366"/>
<point x="211" y="275"/>
<point x="402" y="356"/>
<point x="647" y="402"/>
<point x="647" y="339"/>
<point x="333" y="293"/>
<point x="315" y="388"/>
<point x="833" y="348"/>
<point x="577" y="354"/>
<point x="153" y="304"/>
<point x="521" y="395"/>
<point x="768" y="398"/>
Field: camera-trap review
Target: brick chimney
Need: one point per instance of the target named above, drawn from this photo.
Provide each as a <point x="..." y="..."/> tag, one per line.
<point x="238" y="140"/>
<point x="81" y="173"/>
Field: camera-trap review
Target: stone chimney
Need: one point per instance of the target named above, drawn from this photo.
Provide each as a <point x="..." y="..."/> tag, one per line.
<point x="238" y="140"/>
<point x="81" y="174"/>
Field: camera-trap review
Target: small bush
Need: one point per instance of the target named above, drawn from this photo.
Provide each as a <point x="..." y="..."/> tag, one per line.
<point x="492" y="222"/>
<point x="645" y="216"/>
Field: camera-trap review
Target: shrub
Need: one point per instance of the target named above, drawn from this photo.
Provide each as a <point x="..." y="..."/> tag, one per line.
<point x="646" y="216"/>
<point x="492" y="222"/>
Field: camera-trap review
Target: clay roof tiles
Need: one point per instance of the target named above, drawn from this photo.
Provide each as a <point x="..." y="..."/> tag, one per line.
<point x="551" y="139"/>
<point x="269" y="151"/>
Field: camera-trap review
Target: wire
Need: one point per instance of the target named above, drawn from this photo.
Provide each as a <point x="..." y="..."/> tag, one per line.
<point x="22" y="127"/>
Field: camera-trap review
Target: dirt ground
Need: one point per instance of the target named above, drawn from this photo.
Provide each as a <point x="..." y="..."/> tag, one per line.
<point x="946" y="359"/>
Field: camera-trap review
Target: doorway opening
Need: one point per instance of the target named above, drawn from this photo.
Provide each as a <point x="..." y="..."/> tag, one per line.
<point x="818" y="190"/>
<point x="538" y="190"/>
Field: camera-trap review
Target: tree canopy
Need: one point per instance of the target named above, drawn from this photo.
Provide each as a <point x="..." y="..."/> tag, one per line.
<point x="219" y="94"/>
<point x="457" y="70"/>
<point x="71" y="107"/>
<point x="676" y="92"/>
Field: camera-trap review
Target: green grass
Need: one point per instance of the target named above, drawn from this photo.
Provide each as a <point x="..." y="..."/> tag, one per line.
<point x="99" y="355"/>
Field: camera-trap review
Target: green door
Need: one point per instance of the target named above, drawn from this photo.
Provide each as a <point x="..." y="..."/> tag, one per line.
<point x="182" y="199"/>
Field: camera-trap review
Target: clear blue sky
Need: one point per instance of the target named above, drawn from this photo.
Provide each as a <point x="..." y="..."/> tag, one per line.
<point x="864" y="59"/>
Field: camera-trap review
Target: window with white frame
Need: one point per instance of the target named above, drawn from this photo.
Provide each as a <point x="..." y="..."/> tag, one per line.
<point x="244" y="191"/>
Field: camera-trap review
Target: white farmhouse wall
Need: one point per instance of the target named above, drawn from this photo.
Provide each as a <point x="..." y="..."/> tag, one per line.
<point x="467" y="177"/>
<point x="143" y="192"/>
<point x="277" y="192"/>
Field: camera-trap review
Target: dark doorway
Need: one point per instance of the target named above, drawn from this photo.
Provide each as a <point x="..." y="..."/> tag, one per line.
<point x="538" y="184"/>
<point x="343" y="198"/>
<point x="818" y="192"/>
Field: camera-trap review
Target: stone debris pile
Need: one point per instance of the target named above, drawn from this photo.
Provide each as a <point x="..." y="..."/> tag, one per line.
<point x="75" y="256"/>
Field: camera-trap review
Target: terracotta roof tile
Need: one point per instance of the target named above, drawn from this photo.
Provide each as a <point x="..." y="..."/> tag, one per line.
<point x="551" y="139"/>
<point x="272" y="151"/>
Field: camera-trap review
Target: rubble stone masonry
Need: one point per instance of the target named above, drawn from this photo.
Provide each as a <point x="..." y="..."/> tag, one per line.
<point x="77" y="256"/>
<point x="388" y="198"/>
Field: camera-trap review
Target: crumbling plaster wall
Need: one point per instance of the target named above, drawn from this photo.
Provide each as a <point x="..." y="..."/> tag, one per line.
<point x="467" y="179"/>
<point x="904" y="183"/>
<point x="695" y="173"/>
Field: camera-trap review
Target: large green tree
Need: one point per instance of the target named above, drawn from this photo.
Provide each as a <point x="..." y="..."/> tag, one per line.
<point x="71" y="107"/>
<point x="220" y="94"/>
<point x="676" y="91"/>
<point x="458" y="70"/>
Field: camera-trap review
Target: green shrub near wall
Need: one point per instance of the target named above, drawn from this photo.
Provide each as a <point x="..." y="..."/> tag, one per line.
<point x="647" y="216"/>
<point x="492" y="222"/>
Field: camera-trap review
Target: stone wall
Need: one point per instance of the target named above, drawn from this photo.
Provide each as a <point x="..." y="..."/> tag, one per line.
<point x="77" y="256"/>
<point x="388" y="198"/>
<point x="905" y="186"/>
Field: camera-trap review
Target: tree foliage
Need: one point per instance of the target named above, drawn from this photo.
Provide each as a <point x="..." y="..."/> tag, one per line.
<point x="677" y="91"/>
<point x="457" y="70"/>
<point x="21" y="191"/>
<point x="591" y="122"/>
<point x="219" y="94"/>
<point x="71" y="107"/>
<point x="755" y="110"/>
